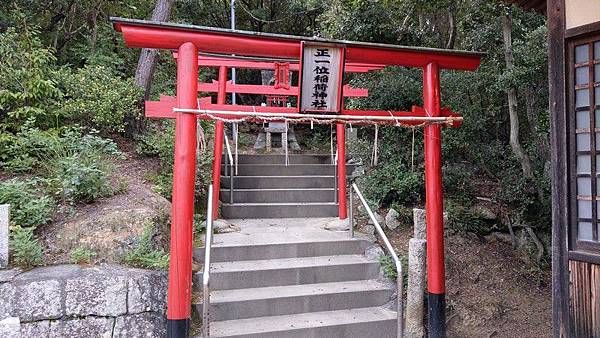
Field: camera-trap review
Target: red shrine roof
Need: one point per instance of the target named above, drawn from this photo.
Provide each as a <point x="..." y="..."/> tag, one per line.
<point x="162" y="35"/>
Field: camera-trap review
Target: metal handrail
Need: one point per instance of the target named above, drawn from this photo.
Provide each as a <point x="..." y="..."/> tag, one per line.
<point x="206" y="272"/>
<point x="230" y="156"/>
<point x="335" y="178"/>
<point x="390" y="249"/>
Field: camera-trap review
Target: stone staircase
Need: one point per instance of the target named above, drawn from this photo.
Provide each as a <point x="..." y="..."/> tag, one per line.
<point x="291" y="278"/>
<point x="266" y="188"/>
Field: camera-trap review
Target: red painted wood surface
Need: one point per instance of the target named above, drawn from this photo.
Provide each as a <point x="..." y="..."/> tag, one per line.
<point x="218" y="146"/>
<point x="141" y="35"/>
<point x="434" y="206"/>
<point x="213" y="87"/>
<point x="213" y="61"/>
<point x="341" y="169"/>
<point x="184" y="179"/>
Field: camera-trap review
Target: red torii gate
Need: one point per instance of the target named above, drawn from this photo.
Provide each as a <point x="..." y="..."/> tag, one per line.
<point x="221" y="86"/>
<point x="186" y="108"/>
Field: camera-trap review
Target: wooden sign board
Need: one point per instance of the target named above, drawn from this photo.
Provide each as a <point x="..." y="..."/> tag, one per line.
<point x="322" y="72"/>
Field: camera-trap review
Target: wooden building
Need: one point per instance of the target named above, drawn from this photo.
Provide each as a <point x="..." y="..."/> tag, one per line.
<point x="574" y="79"/>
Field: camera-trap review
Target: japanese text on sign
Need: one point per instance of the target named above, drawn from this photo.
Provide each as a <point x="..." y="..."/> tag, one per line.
<point x="321" y="78"/>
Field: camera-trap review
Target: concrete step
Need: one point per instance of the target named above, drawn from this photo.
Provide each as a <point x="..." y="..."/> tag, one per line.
<point x="289" y="170"/>
<point x="270" y="182"/>
<point x="280" y="159"/>
<point x="291" y="299"/>
<point x="244" y="252"/>
<point x="279" y="210"/>
<point x="282" y="169"/>
<point x="289" y="271"/>
<point x="281" y="195"/>
<point x="372" y="322"/>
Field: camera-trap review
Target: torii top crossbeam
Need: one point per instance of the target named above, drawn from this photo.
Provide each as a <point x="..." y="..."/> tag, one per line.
<point x="153" y="34"/>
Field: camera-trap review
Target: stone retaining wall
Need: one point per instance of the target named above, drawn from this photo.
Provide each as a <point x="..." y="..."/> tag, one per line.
<point x="75" y="301"/>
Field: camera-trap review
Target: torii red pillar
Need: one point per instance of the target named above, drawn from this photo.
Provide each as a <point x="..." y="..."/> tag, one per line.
<point x="184" y="178"/>
<point x="434" y="205"/>
<point x="218" y="147"/>
<point x="341" y="170"/>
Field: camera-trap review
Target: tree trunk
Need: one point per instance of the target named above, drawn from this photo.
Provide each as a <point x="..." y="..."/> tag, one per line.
<point x="512" y="99"/>
<point x="148" y="57"/>
<point x="145" y="67"/>
<point x="451" y="30"/>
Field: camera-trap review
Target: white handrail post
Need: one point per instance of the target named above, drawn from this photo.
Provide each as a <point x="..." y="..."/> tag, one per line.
<point x="392" y="252"/>
<point x="206" y="272"/>
<point x="351" y="212"/>
<point x="230" y="156"/>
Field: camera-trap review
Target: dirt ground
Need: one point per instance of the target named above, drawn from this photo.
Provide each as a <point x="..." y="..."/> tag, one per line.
<point x="111" y="226"/>
<point x="491" y="290"/>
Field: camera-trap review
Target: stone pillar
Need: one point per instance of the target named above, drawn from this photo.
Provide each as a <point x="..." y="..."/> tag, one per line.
<point x="420" y="228"/>
<point x="415" y="295"/>
<point x="4" y="223"/>
<point x="268" y="142"/>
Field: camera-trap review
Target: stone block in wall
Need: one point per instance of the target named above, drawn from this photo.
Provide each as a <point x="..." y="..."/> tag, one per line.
<point x="35" y="329"/>
<point x="96" y="294"/>
<point x="10" y="327"/>
<point x="142" y="325"/>
<point x="9" y="274"/>
<point x="57" y="272"/>
<point x="4" y="222"/>
<point x="37" y="300"/>
<point x="7" y="300"/>
<point x="90" y="327"/>
<point x="147" y="291"/>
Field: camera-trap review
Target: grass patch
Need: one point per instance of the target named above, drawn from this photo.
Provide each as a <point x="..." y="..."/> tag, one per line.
<point x="26" y="249"/>
<point x="145" y="255"/>
<point x="81" y="255"/>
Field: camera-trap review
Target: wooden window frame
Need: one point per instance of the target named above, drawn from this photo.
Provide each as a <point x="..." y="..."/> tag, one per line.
<point x="580" y="249"/>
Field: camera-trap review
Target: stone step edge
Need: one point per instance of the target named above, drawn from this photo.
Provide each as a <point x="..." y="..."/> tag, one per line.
<point x="280" y="176"/>
<point x="280" y="264"/>
<point x="294" y="291"/>
<point x="261" y="245"/>
<point x="301" y="321"/>
<point x="277" y="189"/>
<point x="278" y="204"/>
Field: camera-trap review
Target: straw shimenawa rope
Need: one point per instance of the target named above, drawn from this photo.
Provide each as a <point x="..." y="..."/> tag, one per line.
<point x="399" y="121"/>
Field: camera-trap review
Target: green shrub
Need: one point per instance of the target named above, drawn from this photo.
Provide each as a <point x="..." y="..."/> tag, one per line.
<point x="81" y="255"/>
<point x="37" y="93"/>
<point x="81" y="178"/>
<point x="145" y="255"/>
<point x="199" y="223"/>
<point x="28" y="92"/>
<point x="464" y="219"/>
<point x="81" y="140"/>
<point x="28" y="149"/>
<point x="389" y="267"/>
<point x="159" y="141"/>
<point x="405" y="214"/>
<point x="96" y="97"/>
<point x="26" y="249"/>
<point x="393" y="183"/>
<point x="29" y="206"/>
